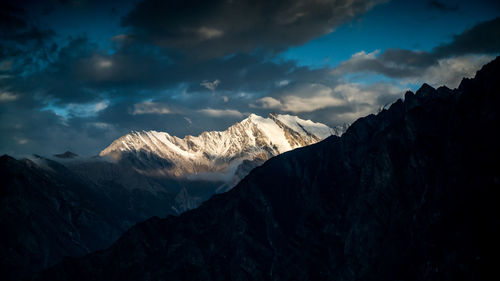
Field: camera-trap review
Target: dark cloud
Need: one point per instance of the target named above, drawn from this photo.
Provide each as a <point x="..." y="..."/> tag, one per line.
<point x="483" y="38"/>
<point x="23" y="45"/>
<point x="83" y="95"/>
<point x="392" y="63"/>
<point x="208" y="29"/>
<point x="442" y="6"/>
<point x="82" y="73"/>
<point x="26" y="131"/>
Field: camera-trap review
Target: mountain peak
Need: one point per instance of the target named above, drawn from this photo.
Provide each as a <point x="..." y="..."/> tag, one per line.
<point x="66" y="155"/>
<point x="425" y="90"/>
<point x="255" y="138"/>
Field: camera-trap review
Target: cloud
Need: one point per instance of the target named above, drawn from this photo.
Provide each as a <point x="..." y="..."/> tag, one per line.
<point x="87" y="96"/>
<point x="69" y="92"/>
<point x="282" y="83"/>
<point x="210" y="85"/>
<point x="78" y="109"/>
<point x="23" y="45"/>
<point x="370" y="95"/>
<point x="303" y="98"/>
<point x="5" y="65"/>
<point x="333" y="104"/>
<point x="149" y="107"/>
<point x="481" y="39"/>
<point x="208" y="29"/>
<point x="299" y="104"/>
<point x="267" y="103"/>
<point x="220" y="112"/>
<point x="207" y="33"/>
<point x="25" y="131"/>
<point x="450" y="71"/>
<point x="81" y="73"/>
<point x="93" y="74"/>
<point x="442" y="6"/>
<point x="8" y="97"/>
<point x="442" y="71"/>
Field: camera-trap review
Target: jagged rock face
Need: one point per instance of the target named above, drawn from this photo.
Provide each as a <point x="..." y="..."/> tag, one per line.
<point x="216" y="155"/>
<point x="48" y="211"/>
<point x="409" y="194"/>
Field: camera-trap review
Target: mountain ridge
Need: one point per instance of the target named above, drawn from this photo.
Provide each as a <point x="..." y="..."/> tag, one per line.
<point x="48" y="211"/>
<point x="217" y="155"/>
<point x="409" y="194"/>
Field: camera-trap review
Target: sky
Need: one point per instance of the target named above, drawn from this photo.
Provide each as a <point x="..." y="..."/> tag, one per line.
<point x="77" y="74"/>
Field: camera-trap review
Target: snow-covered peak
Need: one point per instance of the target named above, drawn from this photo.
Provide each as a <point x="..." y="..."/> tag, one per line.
<point x="254" y="139"/>
<point x="319" y="130"/>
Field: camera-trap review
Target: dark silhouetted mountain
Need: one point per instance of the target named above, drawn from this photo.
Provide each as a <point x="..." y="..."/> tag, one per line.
<point x="409" y="194"/>
<point x="66" y="155"/>
<point x="48" y="211"/>
<point x="121" y="178"/>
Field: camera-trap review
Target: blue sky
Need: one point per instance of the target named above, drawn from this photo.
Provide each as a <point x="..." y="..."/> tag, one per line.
<point x="77" y="74"/>
<point x="394" y="24"/>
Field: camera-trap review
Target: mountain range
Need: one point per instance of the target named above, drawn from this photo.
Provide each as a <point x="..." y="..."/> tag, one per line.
<point x="408" y="194"/>
<point x="70" y="205"/>
<point x="225" y="156"/>
<point x="49" y="210"/>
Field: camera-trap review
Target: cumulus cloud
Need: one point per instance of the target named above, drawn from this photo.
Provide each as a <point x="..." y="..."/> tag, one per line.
<point x="372" y="95"/>
<point x="149" y="107"/>
<point x="297" y="104"/>
<point x="208" y="29"/>
<point x="450" y="71"/>
<point x="267" y="103"/>
<point x="335" y="103"/>
<point x="210" y="85"/>
<point x="443" y="71"/>
<point x="305" y="98"/>
<point x="220" y="112"/>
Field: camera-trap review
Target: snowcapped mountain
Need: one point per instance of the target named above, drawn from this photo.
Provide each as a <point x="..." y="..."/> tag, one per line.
<point x="223" y="156"/>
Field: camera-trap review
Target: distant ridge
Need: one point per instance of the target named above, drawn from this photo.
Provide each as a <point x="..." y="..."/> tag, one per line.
<point x="66" y="155"/>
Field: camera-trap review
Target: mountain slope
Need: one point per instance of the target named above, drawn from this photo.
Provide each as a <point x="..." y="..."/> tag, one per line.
<point x="216" y="155"/>
<point x="47" y="212"/>
<point x="409" y="194"/>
